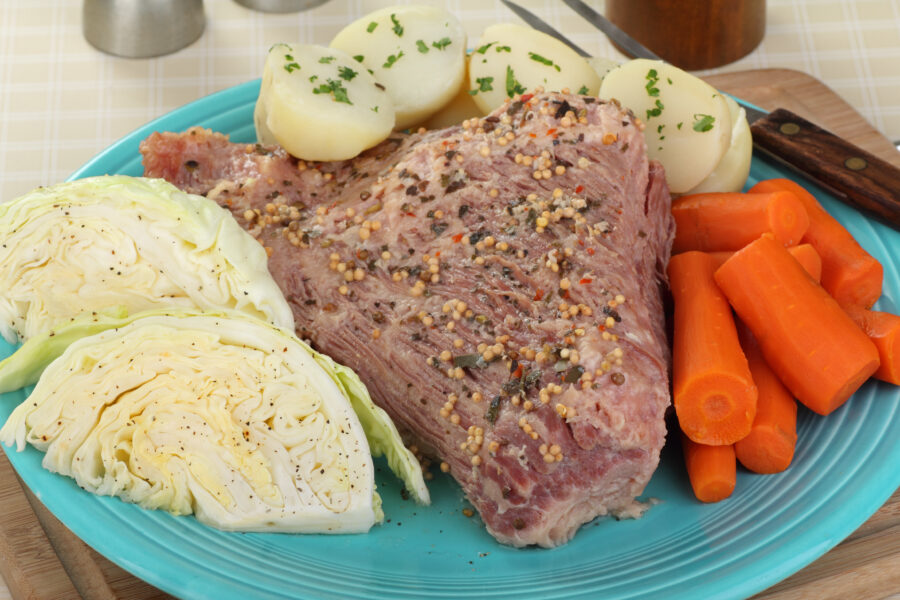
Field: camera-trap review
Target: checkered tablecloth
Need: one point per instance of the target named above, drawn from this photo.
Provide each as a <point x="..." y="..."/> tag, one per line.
<point x="62" y="101"/>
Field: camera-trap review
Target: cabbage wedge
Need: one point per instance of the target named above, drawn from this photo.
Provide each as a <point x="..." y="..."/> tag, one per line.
<point x="129" y="242"/>
<point x="216" y="414"/>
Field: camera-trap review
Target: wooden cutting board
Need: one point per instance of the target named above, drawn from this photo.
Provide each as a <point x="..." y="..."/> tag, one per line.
<point x="42" y="560"/>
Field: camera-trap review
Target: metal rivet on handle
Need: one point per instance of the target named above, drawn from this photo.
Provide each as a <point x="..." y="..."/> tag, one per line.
<point x="855" y="163"/>
<point x="789" y="128"/>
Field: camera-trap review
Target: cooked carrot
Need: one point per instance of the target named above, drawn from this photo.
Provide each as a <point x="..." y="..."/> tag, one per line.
<point x="711" y="469"/>
<point x="729" y="221"/>
<point x="849" y="273"/>
<point x="769" y="447"/>
<point x="714" y="395"/>
<point x="805" y="254"/>
<point x="884" y="331"/>
<point x="816" y="350"/>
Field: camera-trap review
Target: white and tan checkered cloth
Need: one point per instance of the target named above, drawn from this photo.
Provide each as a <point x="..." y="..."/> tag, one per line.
<point x="62" y="101"/>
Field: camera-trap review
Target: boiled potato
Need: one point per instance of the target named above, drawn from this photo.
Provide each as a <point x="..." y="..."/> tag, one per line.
<point x="319" y="104"/>
<point x="688" y="124"/>
<point x="461" y="107"/>
<point x="730" y="175"/>
<point x="512" y="59"/>
<point x="417" y="52"/>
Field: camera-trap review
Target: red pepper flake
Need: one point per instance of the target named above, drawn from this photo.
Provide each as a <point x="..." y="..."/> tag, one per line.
<point x="601" y="327"/>
<point x="409" y="214"/>
<point x="526" y="97"/>
<point x="518" y="372"/>
<point x="579" y="189"/>
<point x="457" y="238"/>
<point x="538" y="294"/>
<point x="584" y="280"/>
<point x="532" y="135"/>
<point x="551" y="131"/>
<point x="581" y="242"/>
<point x="437" y="254"/>
<point x="590" y="251"/>
<point x="565" y="294"/>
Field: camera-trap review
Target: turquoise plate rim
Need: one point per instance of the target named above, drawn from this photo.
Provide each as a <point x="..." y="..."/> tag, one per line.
<point x="679" y="549"/>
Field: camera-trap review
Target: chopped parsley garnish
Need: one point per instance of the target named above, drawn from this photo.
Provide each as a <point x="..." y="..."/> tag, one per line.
<point x="513" y="87"/>
<point x="441" y="43"/>
<point x="652" y="80"/>
<point x="346" y="73"/>
<point x="655" y="112"/>
<point x="327" y="60"/>
<point x="359" y="58"/>
<point x="397" y="28"/>
<point x="392" y="59"/>
<point x="679" y="125"/>
<point x="313" y="78"/>
<point x="703" y="123"/>
<point x="542" y="60"/>
<point x="669" y="79"/>
<point x="484" y="48"/>
<point x="371" y="27"/>
<point x="583" y="90"/>
<point x="423" y="48"/>
<point x="374" y="109"/>
<point x="289" y="57"/>
<point x="484" y="85"/>
<point x="336" y="89"/>
<point x="291" y="67"/>
<point x="503" y="49"/>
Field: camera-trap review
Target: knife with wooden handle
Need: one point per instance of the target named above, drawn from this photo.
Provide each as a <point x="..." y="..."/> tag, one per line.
<point x="858" y="178"/>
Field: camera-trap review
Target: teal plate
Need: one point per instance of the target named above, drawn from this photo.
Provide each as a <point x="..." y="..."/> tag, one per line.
<point x="845" y="468"/>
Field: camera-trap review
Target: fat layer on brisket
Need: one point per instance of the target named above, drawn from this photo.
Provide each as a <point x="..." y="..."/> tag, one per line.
<point x="496" y="285"/>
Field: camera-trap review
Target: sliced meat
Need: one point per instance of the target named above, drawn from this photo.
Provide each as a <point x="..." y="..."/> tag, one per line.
<point x="496" y="286"/>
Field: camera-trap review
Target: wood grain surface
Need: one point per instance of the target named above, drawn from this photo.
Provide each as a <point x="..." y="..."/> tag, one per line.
<point x="42" y="560"/>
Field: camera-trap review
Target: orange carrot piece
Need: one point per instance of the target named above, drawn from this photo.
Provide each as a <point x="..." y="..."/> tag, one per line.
<point x="805" y="254"/>
<point x="714" y="395"/>
<point x="884" y="331"/>
<point x="729" y="221"/>
<point x="816" y="350"/>
<point x="712" y="470"/>
<point x="849" y="273"/>
<point x="769" y="447"/>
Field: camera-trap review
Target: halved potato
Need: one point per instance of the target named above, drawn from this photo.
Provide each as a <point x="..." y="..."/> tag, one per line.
<point x="320" y="104"/>
<point x="730" y="175"/>
<point x="417" y="53"/>
<point x="512" y="59"/>
<point x="688" y="123"/>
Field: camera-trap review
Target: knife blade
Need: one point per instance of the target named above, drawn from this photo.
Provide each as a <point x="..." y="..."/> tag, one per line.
<point x="858" y="178"/>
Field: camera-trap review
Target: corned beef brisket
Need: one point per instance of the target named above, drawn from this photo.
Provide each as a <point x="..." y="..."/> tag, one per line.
<point x="496" y="285"/>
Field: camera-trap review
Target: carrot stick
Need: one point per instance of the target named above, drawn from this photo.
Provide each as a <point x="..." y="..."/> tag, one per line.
<point x="711" y="469"/>
<point x="884" y="331"/>
<point x="714" y="395"/>
<point x="769" y="447"/>
<point x="729" y="221"/>
<point x="805" y="254"/>
<point x="816" y="350"/>
<point x="849" y="273"/>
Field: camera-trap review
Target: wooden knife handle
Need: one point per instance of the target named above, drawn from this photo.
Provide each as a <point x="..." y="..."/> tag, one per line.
<point x="867" y="182"/>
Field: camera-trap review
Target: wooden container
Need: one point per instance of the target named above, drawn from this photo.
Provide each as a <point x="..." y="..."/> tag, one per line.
<point x="692" y="34"/>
